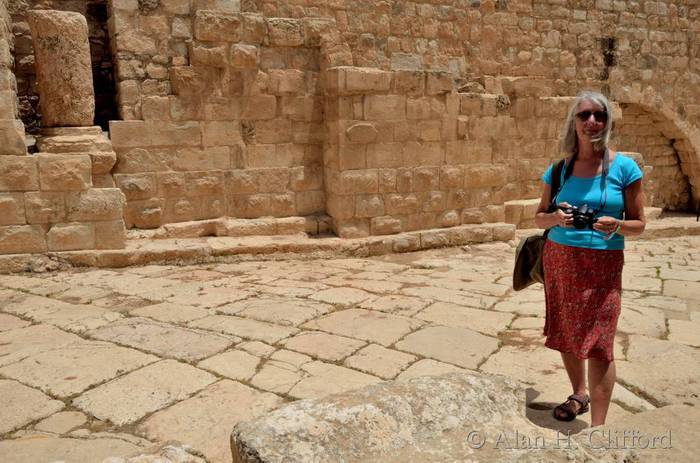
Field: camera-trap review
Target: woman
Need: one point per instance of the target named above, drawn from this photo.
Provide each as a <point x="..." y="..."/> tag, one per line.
<point x="583" y="266"/>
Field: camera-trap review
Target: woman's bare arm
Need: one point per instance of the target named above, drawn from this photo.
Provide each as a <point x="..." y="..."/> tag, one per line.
<point x="544" y="219"/>
<point x="635" y="220"/>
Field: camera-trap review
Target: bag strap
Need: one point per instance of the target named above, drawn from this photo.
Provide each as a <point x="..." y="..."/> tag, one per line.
<point x="556" y="182"/>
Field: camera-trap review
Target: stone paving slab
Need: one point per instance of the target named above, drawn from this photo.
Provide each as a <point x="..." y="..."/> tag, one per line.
<point x="483" y="321"/>
<point x="379" y="361"/>
<point x="382" y="328"/>
<point x="18" y="344"/>
<point x="323" y="345"/>
<point x="205" y="420"/>
<point x="48" y="448"/>
<point x="130" y="397"/>
<point x="67" y="370"/>
<point x="278" y="310"/>
<point x="72" y="317"/>
<point x="164" y="339"/>
<point x="61" y="422"/>
<point x="244" y="328"/>
<point x="459" y="346"/>
<point x="22" y="405"/>
<point x="8" y="322"/>
<point x="234" y="364"/>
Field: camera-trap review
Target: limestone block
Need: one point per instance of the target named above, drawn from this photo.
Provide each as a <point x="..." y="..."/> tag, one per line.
<point x="12" y="209"/>
<point x="20" y="239"/>
<point x="397" y="204"/>
<point x="408" y="82"/>
<point x="143" y="214"/>
<point x="45" y="207"/>
<point x="451" y="178"/>
<point x="385" y="225"/>
<point x="356" y="182"/>
<point x="65" y="172"/>
<point x="362" y="132"/>
<point x="188" y="81"/>
<point x="369" y="206"/>
<point x="8" y="104"/>
<point x="472" y="216"/>
<point x="19" y="173"/>
<point x="340" y="206"/>
<point x="367" y="80"/>
<point x="96" y="204"/>
<point x="310" y="202"/>
<point x="284" y="81"/>
<point x="449" y="219"/>
<point x="221" y="133"/>
<point x="125" y="134"/>
<point x="63" y="68"/>
<point x="155" y="108"/>
<point x="259" y="107"/>
<point x="217" y="26"/>
<point x="244" y="56"/>
<point x="426" y="178"/>
<point x="165" y="133"/>
<point x="204" y="183"/>
<point x="273" y="131"/>
<point x="438" y="82"/>
<point x="484" y="176"/>
<point x="181" y="209"/>
<point x="387" y="181"/>
<point x="70" y="236"/>
<point x="423" y="154"/>
<point x="285" y="32"/>
<point x="137" y="186"/>
<point x="355" y="228"/>
<point x="181" y="28"/>
<point x="385" y="107"/>
<point x="216" y="57"/>
<point x="110" y="235"/>
<point x="249" y="206"/>
<point x="421" y="221"/>
<point x="12" y="140"/>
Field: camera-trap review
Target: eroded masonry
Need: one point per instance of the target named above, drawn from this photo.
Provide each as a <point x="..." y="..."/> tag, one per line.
<point x="350" y="117"/>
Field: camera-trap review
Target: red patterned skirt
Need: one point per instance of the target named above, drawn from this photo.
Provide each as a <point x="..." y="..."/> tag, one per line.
<point x="582" y="290"/>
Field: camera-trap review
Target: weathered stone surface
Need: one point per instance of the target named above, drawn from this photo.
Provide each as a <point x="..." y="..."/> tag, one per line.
<point x="423" y="419"/>
<point x="42" y="447"/>
<point x="12" y="139"/>
<point x="320" y="379"/>
<point x="22" y="404"/>
<point x="61" y="422"/>
<point x="16" y="239"/>
<point x="322" y="345"/>
<point x="130" y="397"/>
<point x="244" y="328"/>
<point x="234" y="364"/>
<point x="384" y="329"/>
<point x="69" y="237"/>
<point x="483" y="321"/>
<point x="71" y="369"/>
<point x="64" y="71"/>
<point x="459" y="346"/>
<point x="19" y="173"/>
<point x="279" y="310"/>
<point x="19" y="344"/>
<point x="684" y="332"/>
<point x="205" y="420"/>
<point x="72" y="317"/>
<point x="675" y="366"/>
<point x="379" y="361"/>
<point x="165" y="340"/>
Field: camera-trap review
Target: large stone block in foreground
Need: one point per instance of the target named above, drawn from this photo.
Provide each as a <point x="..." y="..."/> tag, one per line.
<point x="454" y="417"/>
<point x="63" y="69"/>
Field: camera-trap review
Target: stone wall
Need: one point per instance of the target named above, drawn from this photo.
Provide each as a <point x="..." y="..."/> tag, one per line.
<point x="232" y="127"/>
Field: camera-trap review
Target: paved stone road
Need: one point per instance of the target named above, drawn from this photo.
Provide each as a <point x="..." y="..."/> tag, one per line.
<point x="96" y="363"/>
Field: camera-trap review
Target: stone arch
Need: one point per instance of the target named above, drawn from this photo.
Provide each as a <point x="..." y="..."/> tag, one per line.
<point x="660" y="119"/>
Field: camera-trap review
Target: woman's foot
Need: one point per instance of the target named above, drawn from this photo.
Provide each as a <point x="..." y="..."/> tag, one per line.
<point x="575" y="404"/>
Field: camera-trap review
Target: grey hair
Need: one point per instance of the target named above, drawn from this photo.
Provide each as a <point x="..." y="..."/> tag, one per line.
<point x="569" y="142"/>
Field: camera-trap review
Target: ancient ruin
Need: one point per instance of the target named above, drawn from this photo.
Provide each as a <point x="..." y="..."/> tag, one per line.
<point x="235" y="118"/>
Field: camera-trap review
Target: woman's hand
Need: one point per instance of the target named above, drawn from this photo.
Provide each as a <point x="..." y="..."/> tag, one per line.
<point x="606" y="224"/>
<point x="563" y="219"/>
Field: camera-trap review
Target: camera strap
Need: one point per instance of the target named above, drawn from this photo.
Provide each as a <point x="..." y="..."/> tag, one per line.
<point x="603" y="182"/>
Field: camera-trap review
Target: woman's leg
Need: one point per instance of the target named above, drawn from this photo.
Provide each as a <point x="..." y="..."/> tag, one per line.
<point x="576" y="369"/>
<point x="601" y="380"/>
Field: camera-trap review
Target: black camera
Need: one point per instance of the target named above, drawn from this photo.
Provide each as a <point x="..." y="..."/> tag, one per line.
<point x="584" y="216"/>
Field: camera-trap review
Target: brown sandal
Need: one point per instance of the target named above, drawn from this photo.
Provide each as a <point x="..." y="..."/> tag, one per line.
<point x="566" y="411"/>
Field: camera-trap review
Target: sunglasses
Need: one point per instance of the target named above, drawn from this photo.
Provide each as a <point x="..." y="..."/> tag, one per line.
<point x="599" y="116"/>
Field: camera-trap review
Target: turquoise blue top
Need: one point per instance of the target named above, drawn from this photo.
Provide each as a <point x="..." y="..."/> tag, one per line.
<point x="578" y="191"/>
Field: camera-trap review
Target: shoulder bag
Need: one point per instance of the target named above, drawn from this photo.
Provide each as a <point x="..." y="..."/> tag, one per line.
<point x="528" y="255"/>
